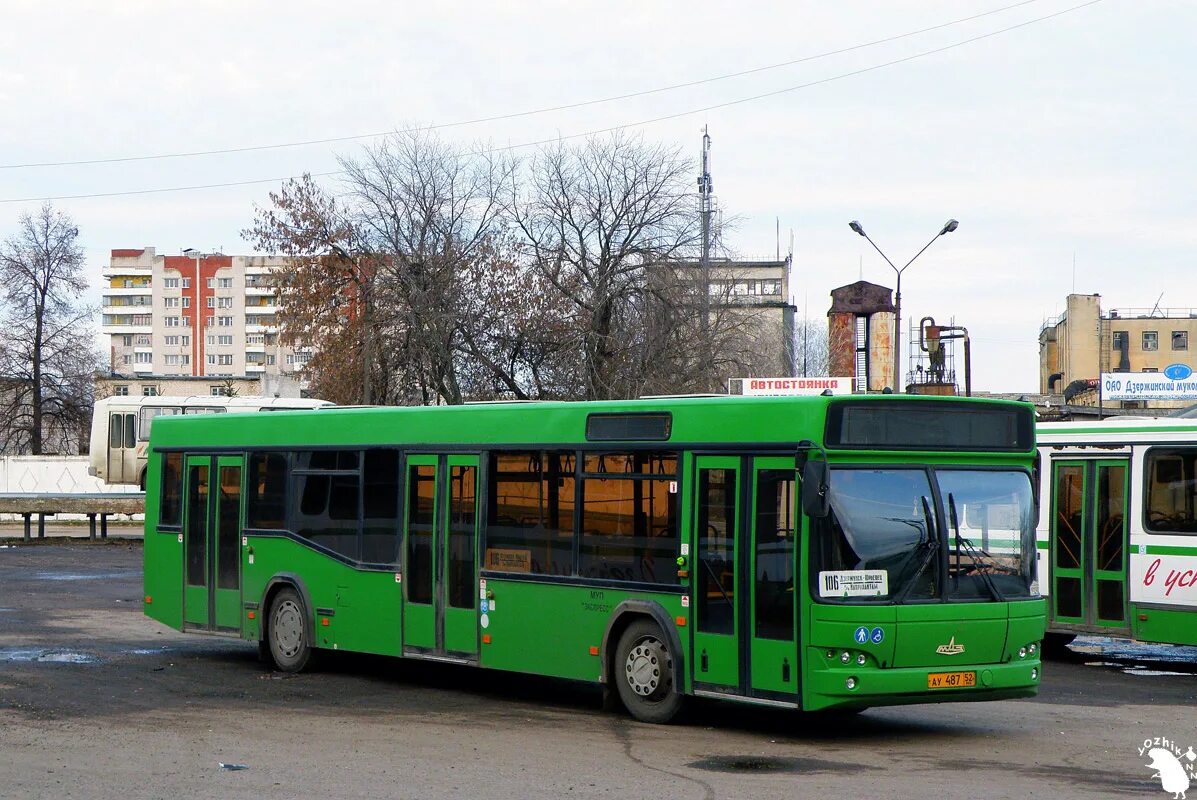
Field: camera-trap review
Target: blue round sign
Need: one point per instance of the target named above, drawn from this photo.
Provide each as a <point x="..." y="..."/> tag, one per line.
<point x="861" y="635"/>
<point x="1178" y="372"/>
<point x="878" y="635"/>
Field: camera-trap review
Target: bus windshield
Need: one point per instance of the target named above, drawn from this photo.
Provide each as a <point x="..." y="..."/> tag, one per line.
<point x="977" y="545"/>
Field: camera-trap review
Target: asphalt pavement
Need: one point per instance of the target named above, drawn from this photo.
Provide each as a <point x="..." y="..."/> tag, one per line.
<point x="96" y="701"/>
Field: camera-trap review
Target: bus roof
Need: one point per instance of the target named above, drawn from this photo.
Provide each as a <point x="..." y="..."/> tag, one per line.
<point x="209" y="401"/>
<point x="694" y="420"/>
<point x="1115" y="429"/>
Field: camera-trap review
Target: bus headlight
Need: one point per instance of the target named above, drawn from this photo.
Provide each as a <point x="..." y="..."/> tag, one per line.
<point x="1022" y="652"/>
<point x="850" y="684"/>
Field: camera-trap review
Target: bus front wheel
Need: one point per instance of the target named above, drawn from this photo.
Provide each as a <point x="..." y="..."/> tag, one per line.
<point x="644" y="673"/>
<point x="288" y="632"/>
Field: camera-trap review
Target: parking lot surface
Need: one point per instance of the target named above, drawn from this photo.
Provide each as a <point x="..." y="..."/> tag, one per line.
<point x="96" y="701"/>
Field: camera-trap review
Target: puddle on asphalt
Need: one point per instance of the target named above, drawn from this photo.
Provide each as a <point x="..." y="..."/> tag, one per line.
<point x="28" y="655"/>
<point x="760" y="764"/>
<point x="1146" y="671"/>
<point x="78" y="576"/>
<point x="149" y="651"/>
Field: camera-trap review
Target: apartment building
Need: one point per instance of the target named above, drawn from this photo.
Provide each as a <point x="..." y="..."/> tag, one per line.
<point x="194" y="316"/>
<point x="1085" y="341"/>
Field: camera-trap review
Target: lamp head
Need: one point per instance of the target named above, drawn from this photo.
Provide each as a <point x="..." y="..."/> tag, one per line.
<point x="949" y="226"/>
<point x="854" y="225"/>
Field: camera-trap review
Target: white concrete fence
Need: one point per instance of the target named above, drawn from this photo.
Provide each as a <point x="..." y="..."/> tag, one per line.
<point x="52" y="475"/>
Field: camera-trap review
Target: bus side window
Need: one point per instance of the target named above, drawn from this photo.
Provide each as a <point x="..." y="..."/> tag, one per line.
<point x="130" y="432"/>
<point x="171" y="507"/>
<point x="116" y="425"/>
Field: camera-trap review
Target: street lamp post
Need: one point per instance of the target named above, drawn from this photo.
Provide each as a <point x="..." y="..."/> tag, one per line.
<point x="948" y="227"/>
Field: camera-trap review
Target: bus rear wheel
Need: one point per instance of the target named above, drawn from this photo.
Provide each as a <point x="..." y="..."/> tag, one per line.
<point x="287" y="632"/>
<point x="643" y="674"/>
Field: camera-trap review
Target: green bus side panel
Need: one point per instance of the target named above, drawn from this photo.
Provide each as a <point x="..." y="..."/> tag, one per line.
<point x="228" y="608"/>
<point x="366" y="604"/>
<point x="716" y="659"/>
<point x="461" y="630"/>
<point x="163" y="556"/>
<point x="419" y="625"/>
<point x="1163" y="625"/>
<point x="548" y="629"/>
<point x="774" y="665"/>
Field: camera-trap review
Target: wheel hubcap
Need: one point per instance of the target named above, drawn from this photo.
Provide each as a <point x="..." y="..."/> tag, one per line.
<point x="648" y="669"/>
<point x="287" y="629"/>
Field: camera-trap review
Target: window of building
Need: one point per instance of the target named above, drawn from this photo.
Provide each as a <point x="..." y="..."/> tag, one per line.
<point x="270" y="359"/>
<point x="143" y="358"/>
<point x="186" y="302"/>
<point x="225" y="359"/>
<point x="211" y="340"/>
<point x="121" y="391"/>
<point x="211" y="302"/>
<point x="171" y="302"/>
<point x="530" y="513"/>
<point x="171" y="360"/>
<point x="1180" y="340"/>
<point x="224" y="302"/>
<point x="125" y="359"/>
<point x="171" y="322"/>
<point x="225" y="322"/>
<point x="211" y="283"/>
<point x="224" y="283"/>
<point x="1151" y="340"/>
<point x="211" y="360"/>
<point x="127" y="340"/>
<point x="186" y="283"/>
<point x="227" y="340"/>
<point x="186" y="341"/>
<point x="1150" y="369"/>
<point x="172" y="341"/>
<point x="1120" y="339"/>
<point x="149" y="391"/>
<point x="186" y="321"/>
<point x="220" y="390"/>
<point x="184" y="359"/>
<point x="211" y="322"/>
<point x="171" y="283"/>
<point x="255" y="338"/>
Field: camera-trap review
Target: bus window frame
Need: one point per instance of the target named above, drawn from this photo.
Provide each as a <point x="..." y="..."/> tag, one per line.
<point x="1146" y="488"/>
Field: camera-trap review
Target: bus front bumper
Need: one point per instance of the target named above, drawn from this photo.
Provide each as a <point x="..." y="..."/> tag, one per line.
<point x="866" y="687"/>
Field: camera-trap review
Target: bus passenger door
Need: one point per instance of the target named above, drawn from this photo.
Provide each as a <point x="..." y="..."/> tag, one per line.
<point x="776" y="528"/>
<point x="211" y="543"/>
<point x="717" y="626"/>
<point x="440" y="572"/>
<point x="419" y="609"/>
<point x="122" y="448"/>
<point x="457" y="586"/>
<point x="1088" y="544"/>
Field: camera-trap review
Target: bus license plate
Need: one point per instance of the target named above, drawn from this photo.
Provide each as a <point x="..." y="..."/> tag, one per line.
<point x="951" y="680"/>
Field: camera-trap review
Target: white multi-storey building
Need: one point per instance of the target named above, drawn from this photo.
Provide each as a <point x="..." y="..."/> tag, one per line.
<point x="203" y="318"/>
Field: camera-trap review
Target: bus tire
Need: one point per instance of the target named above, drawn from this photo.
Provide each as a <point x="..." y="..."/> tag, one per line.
<point x="287" y="632"/>
<point x="643" y="673"/>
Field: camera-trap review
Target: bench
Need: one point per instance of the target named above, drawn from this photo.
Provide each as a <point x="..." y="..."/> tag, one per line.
<point x="93" y="505"/>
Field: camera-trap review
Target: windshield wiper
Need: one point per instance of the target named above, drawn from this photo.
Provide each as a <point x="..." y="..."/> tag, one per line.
<point x="974" y="552"/>
<point x="929" y="543"/>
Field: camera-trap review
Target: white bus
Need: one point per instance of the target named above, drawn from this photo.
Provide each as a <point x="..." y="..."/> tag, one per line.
<point x="120" y="427"/>
<point x="1117" y="532"/>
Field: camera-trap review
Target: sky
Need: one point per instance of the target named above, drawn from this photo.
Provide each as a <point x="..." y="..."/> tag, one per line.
<point x="1064" y="146"/>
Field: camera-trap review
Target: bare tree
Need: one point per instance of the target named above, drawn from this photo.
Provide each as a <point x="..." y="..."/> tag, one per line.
<point x="812" y="356"/>
<point x="596" y="220"/>
<point x="48" y="358"/>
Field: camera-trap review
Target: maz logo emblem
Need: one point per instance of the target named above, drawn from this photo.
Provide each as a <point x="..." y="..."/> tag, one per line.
<point x="950" y="649"/>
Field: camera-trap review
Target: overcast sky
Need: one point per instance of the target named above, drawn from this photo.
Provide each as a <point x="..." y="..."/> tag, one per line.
<point x="1069" y="138"/>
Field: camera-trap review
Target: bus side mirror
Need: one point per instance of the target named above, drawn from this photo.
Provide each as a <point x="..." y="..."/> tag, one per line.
<point x="816" y="501"/>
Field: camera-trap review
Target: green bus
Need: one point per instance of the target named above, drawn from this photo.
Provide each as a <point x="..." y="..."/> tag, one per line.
<point x="798" y="552"/>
